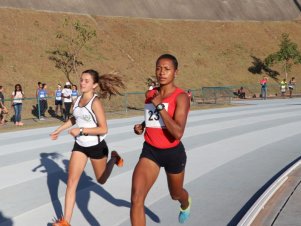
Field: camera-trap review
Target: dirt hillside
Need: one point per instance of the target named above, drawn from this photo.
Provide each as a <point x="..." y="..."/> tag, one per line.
<point x="210" y="53"/>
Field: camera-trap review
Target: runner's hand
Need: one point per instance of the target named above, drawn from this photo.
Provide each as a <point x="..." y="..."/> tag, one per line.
<point x="157" y="98"/>
<point x="54" y="135"/>
<point x="138" y="129"/>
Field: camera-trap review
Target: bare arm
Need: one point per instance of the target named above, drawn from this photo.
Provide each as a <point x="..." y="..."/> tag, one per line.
<point x="176" y="125"/>
<point x="54" y="135"/>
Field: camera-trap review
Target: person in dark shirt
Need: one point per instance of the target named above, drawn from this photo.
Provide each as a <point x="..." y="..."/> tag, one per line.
<point x="241" y="93"/>
<point x="3" y="109"/>
<point x="1" y="95"/>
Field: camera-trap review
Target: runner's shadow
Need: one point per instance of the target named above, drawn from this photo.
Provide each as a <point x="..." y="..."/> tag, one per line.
<point x="5" y="221"/>
<point x="87" y="184"/>
<point x="55" y="174"/>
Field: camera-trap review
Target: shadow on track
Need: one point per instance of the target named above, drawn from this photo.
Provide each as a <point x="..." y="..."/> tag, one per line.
<point x="5" y="221"/>
<point x="55" y="175"/>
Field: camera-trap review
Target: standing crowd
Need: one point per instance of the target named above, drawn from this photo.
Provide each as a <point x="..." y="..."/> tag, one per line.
<point x="64" y="99"/>
<point x="283" y="87"/>
<point x="17" y="97"/>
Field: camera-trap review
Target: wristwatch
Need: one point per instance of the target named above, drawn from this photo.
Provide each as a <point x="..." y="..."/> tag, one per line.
<point x="81" y="132"/>
<point x="160" y="107"/>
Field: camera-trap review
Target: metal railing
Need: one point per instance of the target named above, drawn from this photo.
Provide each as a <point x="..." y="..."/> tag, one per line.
<point x="135" y="100"/>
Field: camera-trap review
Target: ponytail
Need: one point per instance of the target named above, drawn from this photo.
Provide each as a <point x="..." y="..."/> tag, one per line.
<point x="109" y="84"/>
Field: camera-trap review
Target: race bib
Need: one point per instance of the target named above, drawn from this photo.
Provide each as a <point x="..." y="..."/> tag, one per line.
<point x="152" y="117"/>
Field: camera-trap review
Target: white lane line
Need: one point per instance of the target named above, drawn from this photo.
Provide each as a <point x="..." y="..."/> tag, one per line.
<point x="218" y="126"/>
<point x="204" y="158"/>
<point x="65" y="138"/>
<point x="131" y="144"/>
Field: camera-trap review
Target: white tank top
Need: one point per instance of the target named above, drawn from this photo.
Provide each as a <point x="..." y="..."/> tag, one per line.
<point x="86" y="118"/>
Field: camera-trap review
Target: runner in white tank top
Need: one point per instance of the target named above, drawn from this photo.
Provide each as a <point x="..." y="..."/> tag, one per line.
<point x="89" y="133"/>
<point x="85" y="118"/>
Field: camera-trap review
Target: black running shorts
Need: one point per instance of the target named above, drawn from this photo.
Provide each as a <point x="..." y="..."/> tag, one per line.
<point x="98" y="151"/>
<point x="58" y="102"/>
<point x="172" y="159"/>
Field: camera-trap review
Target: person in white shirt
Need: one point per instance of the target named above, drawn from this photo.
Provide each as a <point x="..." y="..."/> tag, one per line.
<point x="17" y="97"/>
<point x="89" y="133"/>
<point x="66" y="95"/>
<point x="58" y="100"/>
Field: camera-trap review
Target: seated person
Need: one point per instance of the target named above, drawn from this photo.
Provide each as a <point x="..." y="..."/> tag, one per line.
<point x="190" y="95"/>
<point x="3" y="113"/>
<point x="241" y="93"/>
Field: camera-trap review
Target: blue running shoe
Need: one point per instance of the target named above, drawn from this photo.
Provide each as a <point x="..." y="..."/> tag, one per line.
<point x="184" y="214"/>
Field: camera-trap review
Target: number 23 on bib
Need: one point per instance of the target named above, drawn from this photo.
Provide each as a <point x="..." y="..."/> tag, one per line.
<point x="152" y="116"/>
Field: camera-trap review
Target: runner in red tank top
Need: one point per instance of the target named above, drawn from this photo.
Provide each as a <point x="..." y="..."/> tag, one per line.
<point x="166" y="111"/>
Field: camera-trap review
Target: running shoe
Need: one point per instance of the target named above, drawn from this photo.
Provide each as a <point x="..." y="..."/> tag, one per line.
<point x="61" y="222"/>
<point x="184" y="214"/>
<point x="119" y="160"/>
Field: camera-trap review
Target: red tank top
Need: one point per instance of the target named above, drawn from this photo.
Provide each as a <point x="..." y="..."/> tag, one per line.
<point x="156" y="133"/>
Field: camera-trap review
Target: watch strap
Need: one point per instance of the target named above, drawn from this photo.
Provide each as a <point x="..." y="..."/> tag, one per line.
<point x="160" y="107"/>
<point x="81" y="131"/>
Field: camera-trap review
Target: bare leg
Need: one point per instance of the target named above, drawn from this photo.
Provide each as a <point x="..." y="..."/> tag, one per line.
<point x="4" y="114"/>
<point x="56" y="109"/>
<point x="77" y="164"/>
<point x="144" y="176"/>
<point x="102" y="168"/>
<point x="176" y="190"/>
<point x="61" y="110"/>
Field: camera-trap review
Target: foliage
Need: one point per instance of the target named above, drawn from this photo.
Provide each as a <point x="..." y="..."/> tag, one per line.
<point x="287" y="55"/>
<point x="66" y="56"/>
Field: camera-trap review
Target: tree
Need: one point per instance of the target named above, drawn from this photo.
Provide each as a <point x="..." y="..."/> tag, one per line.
<point x="66" y="55"/>
<point x="287" y="55"/>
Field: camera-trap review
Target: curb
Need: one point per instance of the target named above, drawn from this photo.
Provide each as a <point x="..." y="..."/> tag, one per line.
<point x="252" y="213"/>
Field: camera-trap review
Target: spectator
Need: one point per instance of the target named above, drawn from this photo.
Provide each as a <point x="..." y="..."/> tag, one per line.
<point x="66" y="95"/>
<point x="291" y="86"/>
<point x="58" y="101"/>
<point x="190" y="95"/>
<point x="17" y="97"/>
<point x="38" y="88"/>
<point x="152" y="85"/>
<point x="283" y="85"/>
<point x="264" y="87"/>
<point x="42" y="97"/>
<point x="74" y="94"/>
<point x="241" y="93"/>
<point x="3" y="113"/>
<point x="3" y="109"/>
<point x="1" y="95"/>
